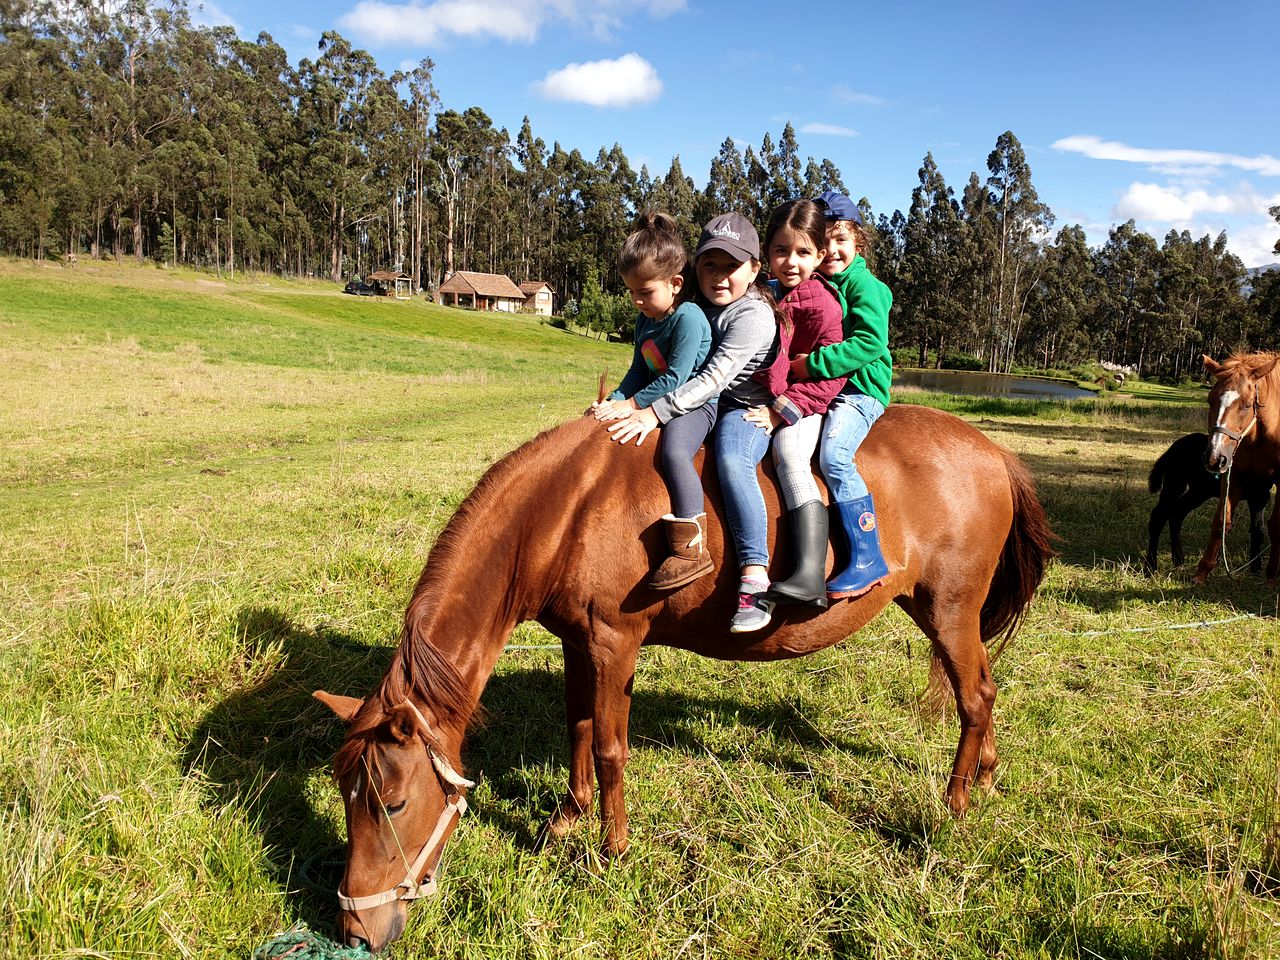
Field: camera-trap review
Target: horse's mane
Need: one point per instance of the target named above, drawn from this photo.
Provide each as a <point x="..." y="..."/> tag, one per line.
<point x="418" y="667"/>
<point x="1244" y="362"/>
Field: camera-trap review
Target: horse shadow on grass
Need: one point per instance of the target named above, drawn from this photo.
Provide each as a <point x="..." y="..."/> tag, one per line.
<point x="262" y="748"/>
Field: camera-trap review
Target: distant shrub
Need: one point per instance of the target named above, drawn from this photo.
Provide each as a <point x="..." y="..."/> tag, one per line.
<point x="560" y="323"/>
<point x="962" y="361"/>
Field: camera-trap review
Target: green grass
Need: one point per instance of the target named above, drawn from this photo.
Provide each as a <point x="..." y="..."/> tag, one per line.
<point x="215" y="498"/>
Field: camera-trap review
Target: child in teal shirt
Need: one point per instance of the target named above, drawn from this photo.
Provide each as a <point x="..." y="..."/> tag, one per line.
<point x="673" y="339"/>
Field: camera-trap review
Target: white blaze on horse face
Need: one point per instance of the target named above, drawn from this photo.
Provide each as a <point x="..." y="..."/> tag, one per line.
<point x="1225" y="403"/>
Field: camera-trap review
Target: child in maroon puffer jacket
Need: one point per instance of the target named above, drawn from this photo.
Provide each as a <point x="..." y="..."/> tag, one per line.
<point x="795" y="243"/>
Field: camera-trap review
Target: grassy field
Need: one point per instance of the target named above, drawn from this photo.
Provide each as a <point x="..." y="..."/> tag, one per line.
<point x="215" y="498"/>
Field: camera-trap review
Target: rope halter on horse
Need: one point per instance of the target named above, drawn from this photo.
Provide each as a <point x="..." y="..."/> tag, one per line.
<point x="456" y="804"/>
<point x="1231" y="434"/>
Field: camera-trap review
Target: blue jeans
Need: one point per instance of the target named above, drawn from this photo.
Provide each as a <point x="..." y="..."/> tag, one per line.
<point x="740" y="446"/>
<point x="849" y="420"/>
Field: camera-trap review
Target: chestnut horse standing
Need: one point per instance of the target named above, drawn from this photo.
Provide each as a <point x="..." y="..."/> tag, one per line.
<point x="1244" y="443"/>
<point x="563" y="531"/>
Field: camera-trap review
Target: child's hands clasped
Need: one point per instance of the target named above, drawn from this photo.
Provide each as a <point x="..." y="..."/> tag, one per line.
<point x="764" y="418"/>
<point x="607" y="410"/>
<point x="639" y="425"/>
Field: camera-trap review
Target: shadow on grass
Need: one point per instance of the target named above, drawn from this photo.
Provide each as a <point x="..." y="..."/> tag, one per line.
<point x="260" y="749"/>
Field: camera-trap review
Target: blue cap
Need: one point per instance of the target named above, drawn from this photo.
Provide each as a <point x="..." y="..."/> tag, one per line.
<point x="836" y="206"/>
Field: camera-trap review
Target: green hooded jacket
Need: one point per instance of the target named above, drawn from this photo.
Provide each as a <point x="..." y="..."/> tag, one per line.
<point x="863" y="355"/>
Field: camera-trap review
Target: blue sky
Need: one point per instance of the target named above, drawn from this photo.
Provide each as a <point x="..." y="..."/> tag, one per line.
<point x="1161" y="112"/>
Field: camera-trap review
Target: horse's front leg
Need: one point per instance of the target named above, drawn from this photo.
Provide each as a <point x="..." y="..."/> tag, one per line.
<point x="614" y="667"/>
<point x="577" y="709"/>
<point x="1221" y="524"/>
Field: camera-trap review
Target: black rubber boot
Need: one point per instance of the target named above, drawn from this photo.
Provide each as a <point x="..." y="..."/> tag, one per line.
<point x="807" y="585"/>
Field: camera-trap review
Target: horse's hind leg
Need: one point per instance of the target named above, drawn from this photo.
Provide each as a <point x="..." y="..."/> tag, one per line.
<point x="965" y="659"/>
<point x="577" y="708"/>
<point x="957" y="646"/>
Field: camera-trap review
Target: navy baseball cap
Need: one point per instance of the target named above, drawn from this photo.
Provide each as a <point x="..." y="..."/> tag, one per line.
<point x="732" y="233"/>
<point x="836" y="206"/>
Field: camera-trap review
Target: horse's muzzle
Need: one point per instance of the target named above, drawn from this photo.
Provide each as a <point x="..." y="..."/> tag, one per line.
<point x="372" y="929"/>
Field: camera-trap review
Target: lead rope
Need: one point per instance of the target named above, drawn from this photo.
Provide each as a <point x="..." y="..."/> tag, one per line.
<point x="1222" y="544"/>
<point x="1226" y="502"/>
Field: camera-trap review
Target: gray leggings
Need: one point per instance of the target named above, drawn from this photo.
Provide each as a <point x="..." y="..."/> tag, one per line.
<point x="793" y="448"/>
<point x="681" y="437"/>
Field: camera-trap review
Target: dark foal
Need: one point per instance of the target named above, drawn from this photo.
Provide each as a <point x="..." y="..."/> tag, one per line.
<point x="1184" y="484"/>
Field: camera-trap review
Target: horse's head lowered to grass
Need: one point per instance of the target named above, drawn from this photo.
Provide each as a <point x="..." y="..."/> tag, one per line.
<point x="403" y="797"/>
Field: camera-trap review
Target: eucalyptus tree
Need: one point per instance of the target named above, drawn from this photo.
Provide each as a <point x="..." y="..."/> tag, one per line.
<point x="728" y="190"/>
<point x="928" y="281"/>
<point x="783" y="165"/>
<point x="1127" y="305"/>
<point x="1059" y="305"/>
<point x="1018" y="220"/>
<point x="334" y="116"/>
<point x="676" y="195"/>
<point x="535" y="203"/>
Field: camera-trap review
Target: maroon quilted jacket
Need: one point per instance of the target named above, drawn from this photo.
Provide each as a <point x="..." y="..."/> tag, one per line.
<point x="815" y="317"/>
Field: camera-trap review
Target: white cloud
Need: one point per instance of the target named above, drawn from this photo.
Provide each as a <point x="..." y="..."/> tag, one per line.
<point x="625" y="82"/>
<point x="1150" y="201"/>
<point x="427" y="22"/>
<point x="843" y="93"/>
<point x="204" y="14"/>
<point x="1174" y="160"/>
<point x="1164" y="204"/>
<point x="1255" y="245"/>
<point x="828" y="129"/>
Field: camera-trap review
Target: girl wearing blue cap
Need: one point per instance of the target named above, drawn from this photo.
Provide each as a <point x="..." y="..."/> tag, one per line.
<point x="863" y="356"/>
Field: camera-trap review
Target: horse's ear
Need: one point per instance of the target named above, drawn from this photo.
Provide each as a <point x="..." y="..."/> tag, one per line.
<point x="1210" y="365"/>
<point x="1265" y="369"/>
<point x="344" y="708"/>
<point x="403" y="726"/>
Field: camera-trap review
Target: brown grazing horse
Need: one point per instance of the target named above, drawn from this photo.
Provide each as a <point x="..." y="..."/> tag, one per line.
<point x="1244" y="443"/>
<point x="563" y="531"/>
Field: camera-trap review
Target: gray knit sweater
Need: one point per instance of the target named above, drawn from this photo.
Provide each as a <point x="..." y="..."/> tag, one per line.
<point x="743" y="338"/>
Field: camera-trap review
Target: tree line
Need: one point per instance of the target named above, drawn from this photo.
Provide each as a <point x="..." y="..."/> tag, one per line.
<point x="127" y="131"/>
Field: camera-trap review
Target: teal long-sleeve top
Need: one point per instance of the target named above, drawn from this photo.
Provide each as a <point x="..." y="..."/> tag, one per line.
<point x="667" y="352"/>
<point x="863" y="355"/>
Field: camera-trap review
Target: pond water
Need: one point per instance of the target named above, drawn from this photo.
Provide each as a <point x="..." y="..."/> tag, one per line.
<point x="978" y="384"/>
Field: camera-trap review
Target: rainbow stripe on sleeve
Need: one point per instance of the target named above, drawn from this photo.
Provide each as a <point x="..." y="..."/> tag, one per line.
<point x="653" y="357"/>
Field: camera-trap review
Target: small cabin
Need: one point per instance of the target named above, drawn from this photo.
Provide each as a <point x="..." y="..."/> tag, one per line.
<point x="481" y="291"/>
<point x="539" y="297"/>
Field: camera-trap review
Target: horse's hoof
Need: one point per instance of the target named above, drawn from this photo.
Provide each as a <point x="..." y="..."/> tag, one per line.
<point x="612" y="850"/>
<point x="556" y="827"/>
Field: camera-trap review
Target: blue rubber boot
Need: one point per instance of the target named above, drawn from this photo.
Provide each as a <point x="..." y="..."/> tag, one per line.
<point x="866" y="567"/>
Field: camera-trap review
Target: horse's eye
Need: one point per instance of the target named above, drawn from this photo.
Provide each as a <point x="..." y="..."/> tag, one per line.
<point x="394" y="808"/>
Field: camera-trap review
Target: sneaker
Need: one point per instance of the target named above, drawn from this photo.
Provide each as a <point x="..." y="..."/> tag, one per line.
<point x="754" y="613"/>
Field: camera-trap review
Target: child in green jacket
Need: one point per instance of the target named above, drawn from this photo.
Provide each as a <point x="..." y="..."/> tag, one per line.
<point x="863" y="357"/>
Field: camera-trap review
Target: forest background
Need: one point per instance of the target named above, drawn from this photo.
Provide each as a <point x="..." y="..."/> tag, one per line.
<point x="126" y="131"/>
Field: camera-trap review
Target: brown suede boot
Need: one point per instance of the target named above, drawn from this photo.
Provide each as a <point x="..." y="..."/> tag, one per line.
<point x="689" y="558"/>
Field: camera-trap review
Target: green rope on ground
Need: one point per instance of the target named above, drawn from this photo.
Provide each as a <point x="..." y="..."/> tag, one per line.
<point x="299" y="943"/>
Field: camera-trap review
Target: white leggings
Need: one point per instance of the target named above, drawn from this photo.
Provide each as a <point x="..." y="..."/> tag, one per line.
<point x="793" y="448"/>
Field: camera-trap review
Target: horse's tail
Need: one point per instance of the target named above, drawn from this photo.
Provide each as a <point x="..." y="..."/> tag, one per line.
<point x="1028" y="548"/>
<point x="1155" y="480"/>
